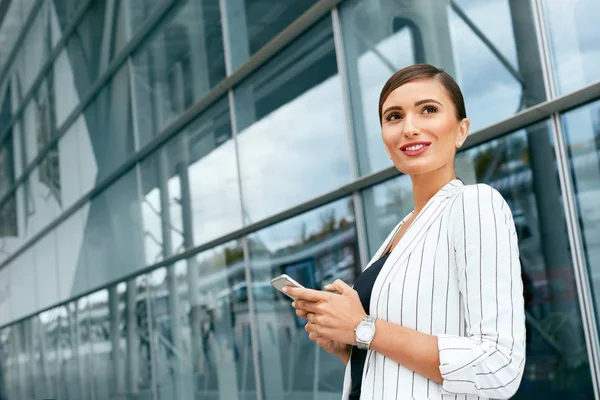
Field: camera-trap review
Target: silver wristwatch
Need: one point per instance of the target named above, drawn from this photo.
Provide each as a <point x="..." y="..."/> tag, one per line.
<point x="365" y="332"/>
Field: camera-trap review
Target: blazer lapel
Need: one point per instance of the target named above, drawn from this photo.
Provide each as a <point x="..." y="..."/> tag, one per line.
<point x="415" y="233"/>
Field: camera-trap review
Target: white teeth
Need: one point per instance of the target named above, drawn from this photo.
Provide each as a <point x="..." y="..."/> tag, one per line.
<point x="415" y="147"/>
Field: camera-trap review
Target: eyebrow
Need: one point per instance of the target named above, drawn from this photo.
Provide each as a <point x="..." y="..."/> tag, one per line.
<point x="418" y="103"/>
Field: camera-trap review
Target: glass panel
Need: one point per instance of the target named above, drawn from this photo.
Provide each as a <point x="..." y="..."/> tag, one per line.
<point x="46" y="270"/>
<point x="315" y="249"/>
<point x="77" y="170"/>
<point x="177" y="67"/>
<point x="9" y="239"/>
<point x="138" y="12"/>
<point x="44" y="196"/>
<point x="7" y="174"/>
<point x="72" y="271"/>
<point x="50" y="348"/>
<point x="5" y="316"/>
<point x="195" y="176"/>
<point x="6" y="361"/>
<point x="62" y="12"/>
<point x="120" y="340"/>
<point x="87" y="52"/>
<point x="75" y="352"/>
<point x="573" y="31"/>
<point x="162" y="204"/>
<point x="34" y="51"/>
<point x="22" y="278"/>
<point x="490" y="61"/>
<point x="19" y="155"/>
<point x="252" y="24"/>
<point x="109" y="126"/>
<point x="107" y="340"/>
<point x="12" y="235"/>
<point x="10" y="361"/>
<point x="12" y="24"/>
<point x="38" y="122"/>
<point x="291" y="121"/>
<point x="63" y="76"/>
<point x="582" y="137"/>
<point x="200" y="310"/>
<point x="113" y="241"/>
<point x="521" y="166"/>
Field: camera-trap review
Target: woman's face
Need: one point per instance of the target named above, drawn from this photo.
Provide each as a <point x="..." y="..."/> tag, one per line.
<point x="420" y="129"/>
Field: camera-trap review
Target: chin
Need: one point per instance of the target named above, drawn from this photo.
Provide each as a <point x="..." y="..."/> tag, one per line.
<point x="417" y="168"/>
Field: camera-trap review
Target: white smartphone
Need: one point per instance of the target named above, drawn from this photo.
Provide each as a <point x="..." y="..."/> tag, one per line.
<point x="284" y="280"/>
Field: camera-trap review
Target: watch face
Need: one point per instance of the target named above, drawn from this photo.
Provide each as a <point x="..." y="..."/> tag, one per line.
<point x="365" y="332"/>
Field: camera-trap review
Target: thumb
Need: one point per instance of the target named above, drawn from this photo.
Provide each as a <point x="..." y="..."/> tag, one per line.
<point x="339" y="286"/>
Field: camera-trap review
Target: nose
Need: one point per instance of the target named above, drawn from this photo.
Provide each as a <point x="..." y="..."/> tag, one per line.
<point x="410" y="130"/>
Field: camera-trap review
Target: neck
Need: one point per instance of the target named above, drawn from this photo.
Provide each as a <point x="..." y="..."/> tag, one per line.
<point x="425" y="186"/>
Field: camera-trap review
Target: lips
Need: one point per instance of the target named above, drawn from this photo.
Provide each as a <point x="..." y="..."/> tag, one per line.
<point x="415" y="148"/>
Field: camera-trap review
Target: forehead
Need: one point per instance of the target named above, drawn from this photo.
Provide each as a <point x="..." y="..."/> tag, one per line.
<point x="409" y="93"/>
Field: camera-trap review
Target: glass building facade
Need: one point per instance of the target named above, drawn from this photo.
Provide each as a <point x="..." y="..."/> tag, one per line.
<point x="162" y="160"/>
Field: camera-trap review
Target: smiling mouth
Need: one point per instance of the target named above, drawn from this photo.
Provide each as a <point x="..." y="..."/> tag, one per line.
<point x="414" y="148"/>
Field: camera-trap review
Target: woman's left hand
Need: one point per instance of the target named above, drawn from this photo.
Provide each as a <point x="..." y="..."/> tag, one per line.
<point x="331" y="316"/>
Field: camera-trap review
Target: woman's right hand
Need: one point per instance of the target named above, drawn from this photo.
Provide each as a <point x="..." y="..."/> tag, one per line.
<point x="340" y="350"/>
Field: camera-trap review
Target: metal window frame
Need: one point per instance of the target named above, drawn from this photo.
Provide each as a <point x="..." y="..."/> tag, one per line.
<point x="550" y="109"/>
<point x="525" y="118"/>
<point x="12" y="55"/>
<point x="580" y="270"/>
<point x="159" y="14"/>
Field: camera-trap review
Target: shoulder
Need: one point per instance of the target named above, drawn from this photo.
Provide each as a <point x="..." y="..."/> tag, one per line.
<point x="478" y="198"/>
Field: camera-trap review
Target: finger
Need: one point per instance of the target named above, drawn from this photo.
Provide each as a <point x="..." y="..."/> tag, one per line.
<point x="339" y="286"/>
<point x="308" y="306"/>
<point x="312" y="328"/>
<point x="305" y="294"/>
<point x="301" y="313"/>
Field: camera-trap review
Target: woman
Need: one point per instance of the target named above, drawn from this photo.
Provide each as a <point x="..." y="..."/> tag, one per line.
<point x="438" y="312"/>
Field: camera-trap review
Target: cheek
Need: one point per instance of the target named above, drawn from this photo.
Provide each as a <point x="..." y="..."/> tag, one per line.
<point x="390" y="136"/>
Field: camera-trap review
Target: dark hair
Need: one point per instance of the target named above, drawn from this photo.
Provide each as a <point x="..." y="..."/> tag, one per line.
<point x="424" y="71"/>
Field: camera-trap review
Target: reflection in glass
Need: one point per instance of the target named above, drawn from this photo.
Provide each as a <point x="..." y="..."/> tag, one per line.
<point x="582" y="137"/>
<point x="487" y="56"/>
<point x="292" y="140"/>
<point x="23" y="301"/>
<point x="201" y="327"/>
<point x="195" y="177"/>
<point x="33" y="51"/>
<point x="252" y="24"/>
<point x="65" y="84"/>
<point x="315" y="249"/>
<point x="16" y="13"/>
<point x="109" y="124"/>
<point x="86" y="48"/>
<point x="107" y="356"/>
<point x="519" y="166"/>
<point x="38" y="121"/>
<point x="50" y="346"/>
<point x="573" y="31"/>
<point x="113" y="242"/>
<point x="46" y="270"/>
<point x="177" y="67"/>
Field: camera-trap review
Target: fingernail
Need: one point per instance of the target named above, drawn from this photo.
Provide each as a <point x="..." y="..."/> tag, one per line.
<point x="284" y="289"/>
<point x="294" y="304"/>
<point x="327" y="286"/>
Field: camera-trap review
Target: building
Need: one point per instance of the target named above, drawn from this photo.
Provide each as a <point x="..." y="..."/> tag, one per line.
<point x="162" y="160"/>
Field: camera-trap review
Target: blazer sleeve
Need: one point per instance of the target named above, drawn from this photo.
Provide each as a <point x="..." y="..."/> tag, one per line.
<point x="490" y="359"/>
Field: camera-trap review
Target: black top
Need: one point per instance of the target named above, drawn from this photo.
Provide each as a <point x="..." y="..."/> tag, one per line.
<point x="364" y="286"/>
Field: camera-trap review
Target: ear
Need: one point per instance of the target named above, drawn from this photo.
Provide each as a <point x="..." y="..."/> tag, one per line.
<point x="462" y="132"/>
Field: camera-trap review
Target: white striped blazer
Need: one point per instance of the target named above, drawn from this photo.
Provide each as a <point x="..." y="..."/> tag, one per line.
<point x="454" y="274"/>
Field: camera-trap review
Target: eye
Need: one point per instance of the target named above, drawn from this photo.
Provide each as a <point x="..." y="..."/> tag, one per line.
<point x="429" y="109"/>
<point x="394" y="116"/>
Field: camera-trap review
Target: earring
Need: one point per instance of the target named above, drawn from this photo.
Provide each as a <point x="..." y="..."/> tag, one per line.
<point x="459" y="145"/>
